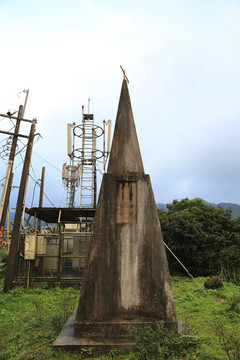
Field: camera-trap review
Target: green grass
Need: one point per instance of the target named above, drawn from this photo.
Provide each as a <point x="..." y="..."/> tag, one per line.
<point x="30" y="321"/>
<point x="209" y="314"/>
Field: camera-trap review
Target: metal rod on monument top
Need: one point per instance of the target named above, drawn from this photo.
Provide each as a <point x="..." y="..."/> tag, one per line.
<point x="124" y="74"/>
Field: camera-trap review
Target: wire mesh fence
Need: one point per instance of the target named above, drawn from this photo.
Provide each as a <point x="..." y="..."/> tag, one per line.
<point x="57" y="257"/>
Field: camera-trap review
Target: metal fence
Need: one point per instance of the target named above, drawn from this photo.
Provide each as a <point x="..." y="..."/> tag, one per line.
<point x="59" y="257"/>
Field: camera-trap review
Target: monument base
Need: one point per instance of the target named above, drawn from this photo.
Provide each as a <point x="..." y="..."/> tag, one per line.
<point x="66" y="339"/>
<point x="117" y="328"/>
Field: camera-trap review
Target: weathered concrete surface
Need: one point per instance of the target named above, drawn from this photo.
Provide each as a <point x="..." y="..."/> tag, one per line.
<point x="126" y="278"/>
<point x="127" y="272"/>
<point x="125" y="152"/>
<point x="68" y="341"/>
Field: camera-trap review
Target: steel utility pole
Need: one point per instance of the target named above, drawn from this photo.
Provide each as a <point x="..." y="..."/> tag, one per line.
<point x="6" y="186"/>
<point x="10" y="272"/>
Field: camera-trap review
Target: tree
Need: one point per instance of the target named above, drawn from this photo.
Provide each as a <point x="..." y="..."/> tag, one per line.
<point x="203" y="237"/>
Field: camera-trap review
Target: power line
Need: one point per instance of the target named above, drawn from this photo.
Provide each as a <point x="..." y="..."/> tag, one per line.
<point x="18" y="165"/>
<point x="3" y="178"/>
<point x="6" y="139"/>
<point x="49" y="199"/>
<point x="11" y="96"/>
<point x="19" y="152"/>
<point x="47" y="162"/>
<point x="44" y="159"/>
<point x="34" y="188"/>
<point x="37" y="183"/>
<point x="34" y="172"/>
<point x="21" y="158"/>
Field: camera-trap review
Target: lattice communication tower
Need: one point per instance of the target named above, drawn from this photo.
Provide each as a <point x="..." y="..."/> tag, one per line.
<point x="84" y="159"/>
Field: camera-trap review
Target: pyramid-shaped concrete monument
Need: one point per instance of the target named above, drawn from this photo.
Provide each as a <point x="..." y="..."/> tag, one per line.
<point x="126" y="282"/>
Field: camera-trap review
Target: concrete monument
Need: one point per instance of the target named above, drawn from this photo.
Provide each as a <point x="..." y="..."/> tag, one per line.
<point x="126" y="282"/>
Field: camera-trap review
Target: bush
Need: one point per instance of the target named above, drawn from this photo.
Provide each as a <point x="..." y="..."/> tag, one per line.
<point x="161" y="343"/>
<point x="204" y="238"/>
<point x="234" y="303"/>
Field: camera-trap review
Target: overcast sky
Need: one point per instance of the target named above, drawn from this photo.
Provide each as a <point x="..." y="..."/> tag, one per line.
<point x="183" y="63"/>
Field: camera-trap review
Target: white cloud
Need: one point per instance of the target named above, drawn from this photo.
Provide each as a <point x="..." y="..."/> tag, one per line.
<point x="117" y="22"/>
<point x="182" y="60"/>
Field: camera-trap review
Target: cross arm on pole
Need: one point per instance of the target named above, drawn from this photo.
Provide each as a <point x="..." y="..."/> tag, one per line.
<point x="16" y="118"/>
<point x="10" y="133"/>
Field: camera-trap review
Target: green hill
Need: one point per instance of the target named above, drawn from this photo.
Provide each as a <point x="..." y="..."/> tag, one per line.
<point x="234" y="207"/>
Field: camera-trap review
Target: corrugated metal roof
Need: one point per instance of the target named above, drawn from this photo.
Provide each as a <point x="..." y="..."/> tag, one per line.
<point x="52" y="215"/>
